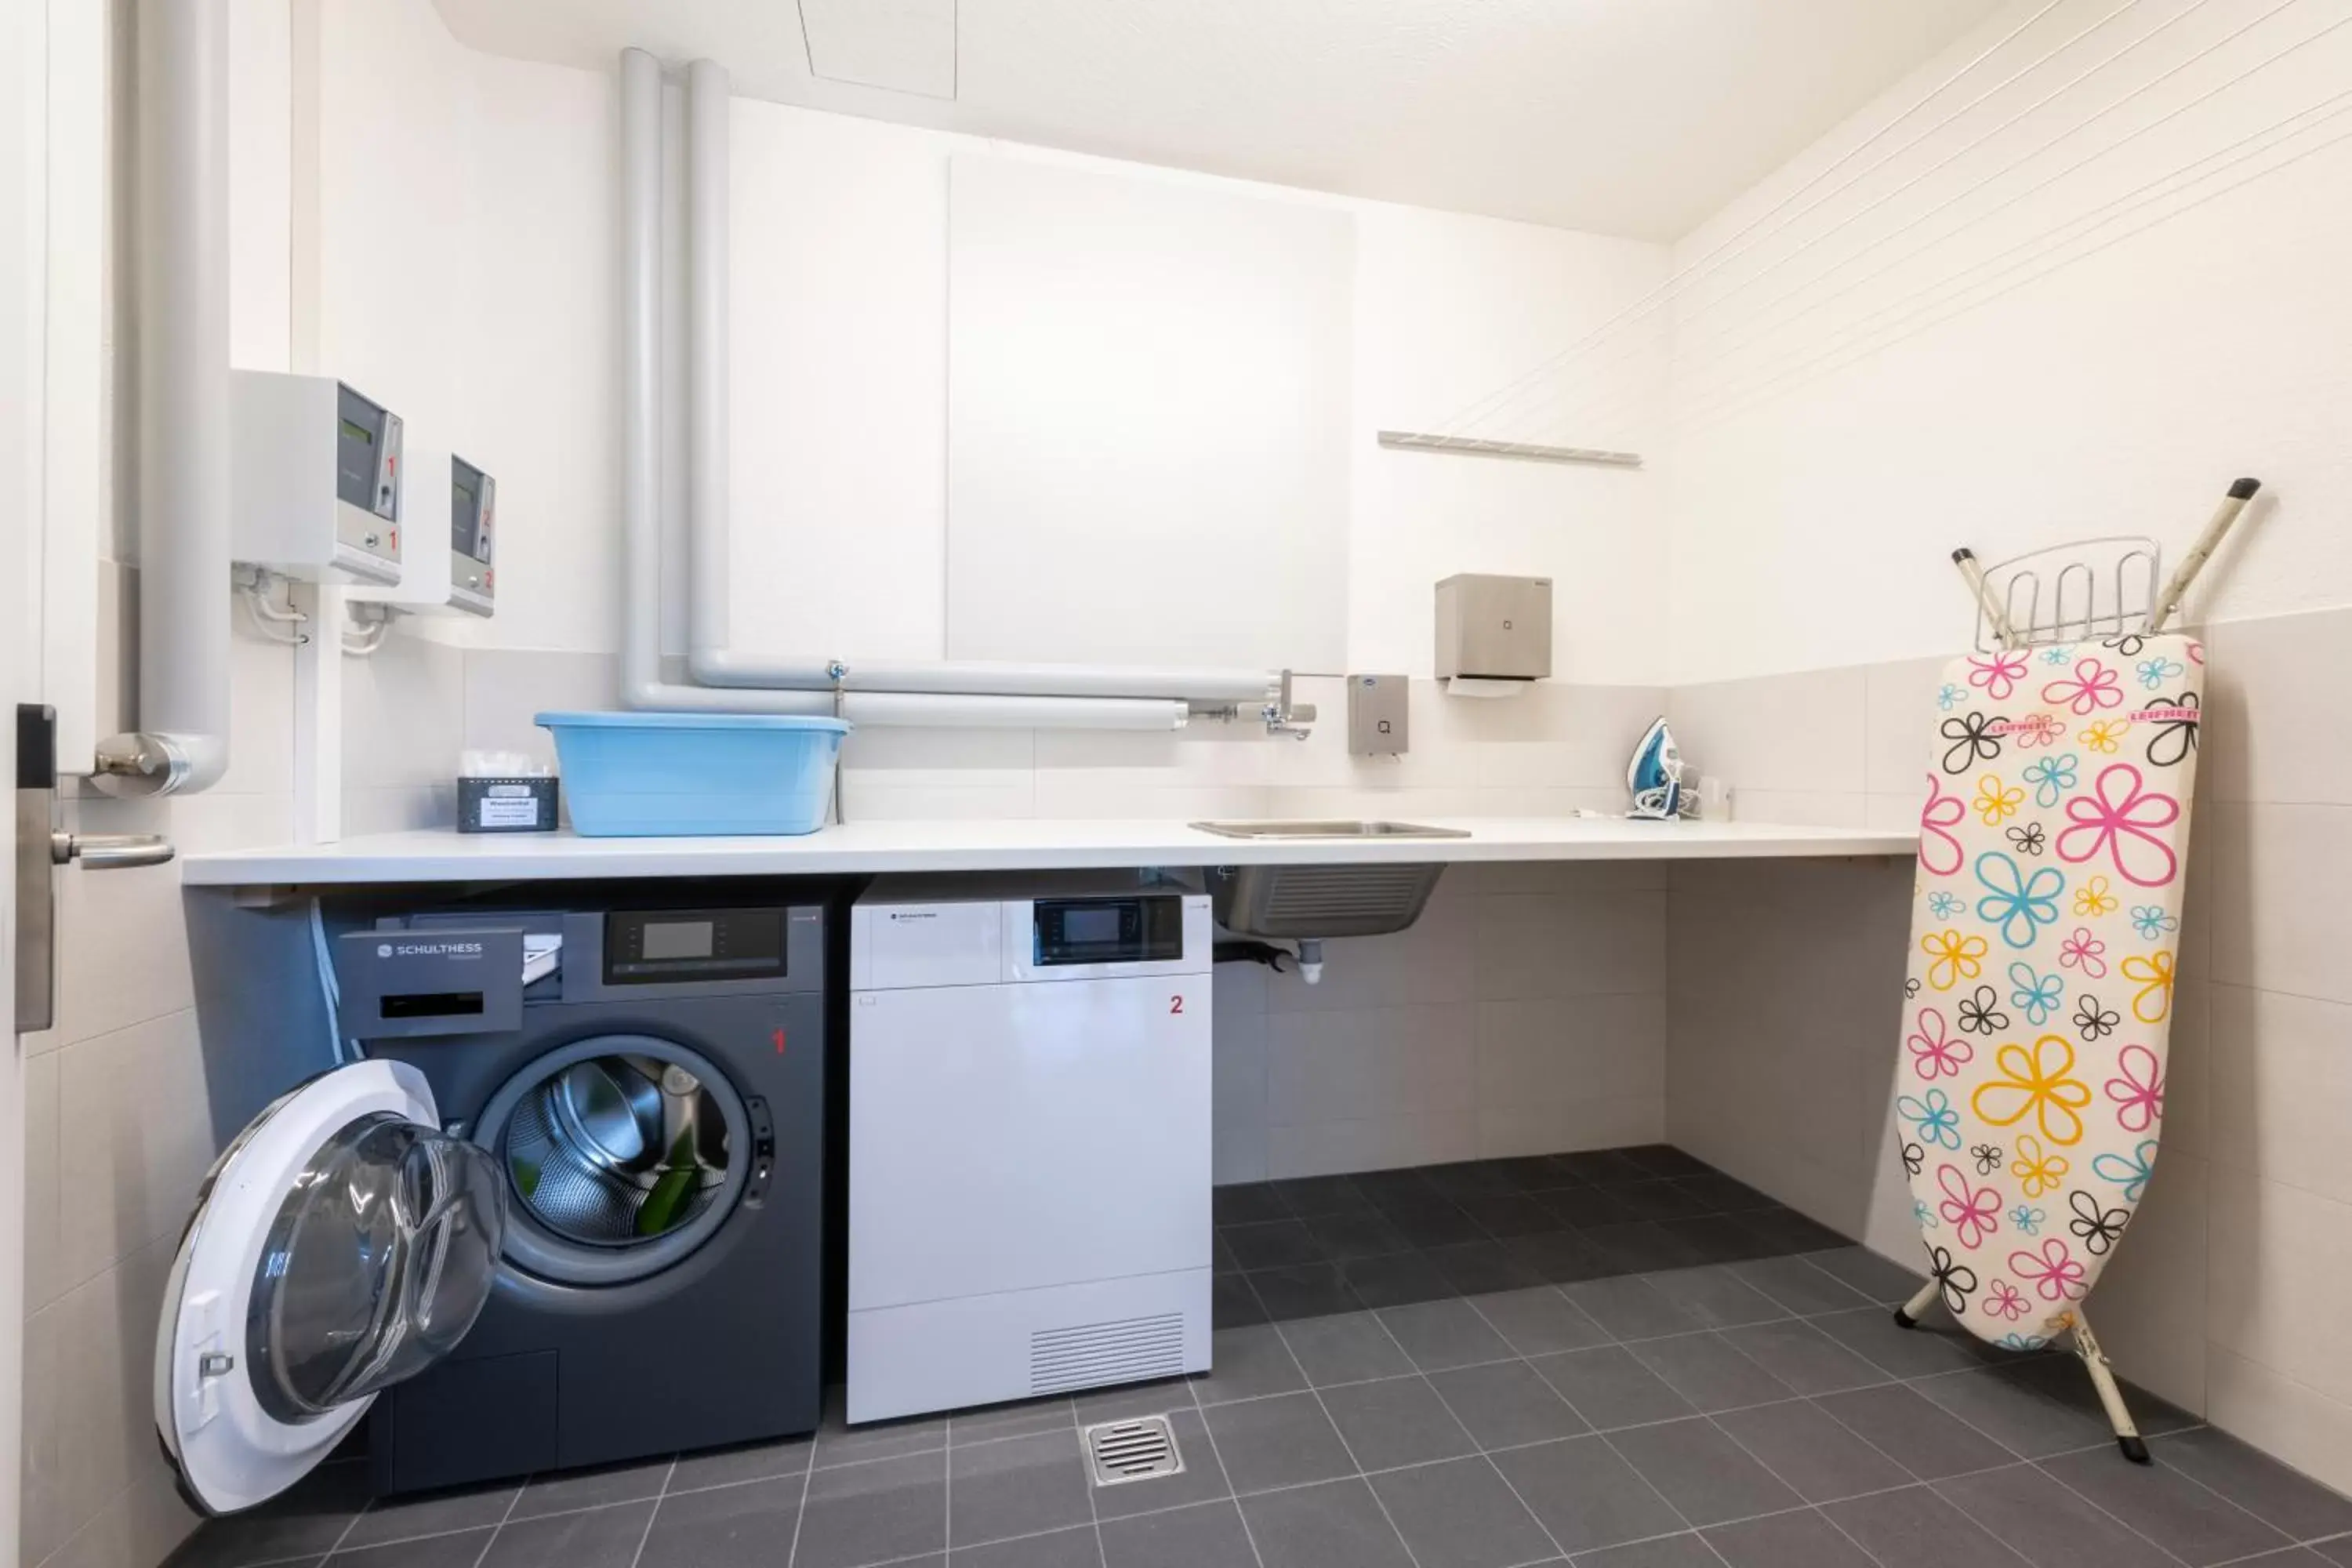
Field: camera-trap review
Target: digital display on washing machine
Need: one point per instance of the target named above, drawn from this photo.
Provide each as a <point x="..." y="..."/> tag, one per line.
<point x="1109" y="931"/>
<point x="650" y="947"/>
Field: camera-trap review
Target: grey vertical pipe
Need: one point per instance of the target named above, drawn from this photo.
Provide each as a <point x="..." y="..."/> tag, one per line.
<point x="640" y="377"/>
<point x="707" y="414"/>
<point x="180" y="239"/>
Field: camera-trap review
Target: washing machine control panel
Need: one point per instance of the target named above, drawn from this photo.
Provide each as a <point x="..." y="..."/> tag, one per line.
<point x="662" y="947"/>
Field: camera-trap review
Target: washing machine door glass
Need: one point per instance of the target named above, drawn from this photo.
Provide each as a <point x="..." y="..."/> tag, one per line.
<point x="341" y="1243"/>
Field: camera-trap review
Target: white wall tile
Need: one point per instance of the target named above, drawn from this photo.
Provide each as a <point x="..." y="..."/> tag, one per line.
<point x="1428" y="962"/>
<point x="1365" y="1065"/>
<point x="505" y="687"/>
<point x="130" y="1112"/>
<point x="404" y="714"/>
<point x="88" y="1398"/>
<point x="1899" y="724"/>
<point x="2276" y="731"/>
<point x="46" y="1272"/>
<point x="2275" y="922"/>
<point x="2282" y="1088"/>
<point x="1570" y="944"/>
<point x="2281" y="1266"/>
<point x="1558" y="1052"/>
<point x="2150" y="1303"/>
<point x="2280" y="1413"/>
<point x="1556" y="1127"/>
<point x="1802" y="809"/>
<point x="1324" y="1148"/>
<point x="1803" y="732"/>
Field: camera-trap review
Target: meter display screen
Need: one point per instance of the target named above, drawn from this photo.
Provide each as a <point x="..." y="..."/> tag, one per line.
<point x="469" y="522"/>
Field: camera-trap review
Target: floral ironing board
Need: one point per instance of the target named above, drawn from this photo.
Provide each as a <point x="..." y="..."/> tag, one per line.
<point x="2039" y="1002"/>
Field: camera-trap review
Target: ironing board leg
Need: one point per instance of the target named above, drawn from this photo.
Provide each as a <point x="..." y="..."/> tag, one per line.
<point x="2103" y="1378"/>
<point x="1907" y="1315"/>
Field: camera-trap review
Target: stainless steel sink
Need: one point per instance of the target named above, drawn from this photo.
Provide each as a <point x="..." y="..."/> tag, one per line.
<point x="1326" y="829"/>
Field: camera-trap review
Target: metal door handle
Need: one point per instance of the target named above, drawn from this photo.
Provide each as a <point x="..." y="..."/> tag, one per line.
<point x="110" y="851"/>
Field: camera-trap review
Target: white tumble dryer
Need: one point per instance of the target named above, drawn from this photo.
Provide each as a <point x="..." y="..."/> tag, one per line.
<point x="1029" y="1141"/>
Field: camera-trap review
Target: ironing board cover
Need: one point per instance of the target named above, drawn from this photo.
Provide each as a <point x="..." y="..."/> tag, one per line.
<point x="2044" y="927"/>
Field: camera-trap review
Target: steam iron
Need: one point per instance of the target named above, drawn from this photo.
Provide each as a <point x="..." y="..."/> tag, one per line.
<point x="1655" y="776"/>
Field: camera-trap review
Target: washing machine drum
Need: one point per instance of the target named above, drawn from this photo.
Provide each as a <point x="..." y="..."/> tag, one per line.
<point x="622" y="1153"/>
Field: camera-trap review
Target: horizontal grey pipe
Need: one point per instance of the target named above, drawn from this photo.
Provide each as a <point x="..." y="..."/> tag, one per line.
<point x="736" y="668"/>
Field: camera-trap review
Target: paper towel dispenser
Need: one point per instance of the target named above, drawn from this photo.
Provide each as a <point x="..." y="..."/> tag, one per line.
<point x="1494" y="628"/>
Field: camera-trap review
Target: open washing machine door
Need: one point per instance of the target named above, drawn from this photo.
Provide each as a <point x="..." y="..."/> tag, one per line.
<point x="341" y="1243"/>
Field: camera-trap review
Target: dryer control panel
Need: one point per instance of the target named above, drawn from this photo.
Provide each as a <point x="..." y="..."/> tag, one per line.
<point x="658" y="947"/>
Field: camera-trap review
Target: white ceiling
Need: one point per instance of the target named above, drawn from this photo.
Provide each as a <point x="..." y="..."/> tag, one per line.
<point x="1627" y="117"/>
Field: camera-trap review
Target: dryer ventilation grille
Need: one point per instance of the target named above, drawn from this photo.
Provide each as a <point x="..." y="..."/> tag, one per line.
<point x="1092" y="1355"/>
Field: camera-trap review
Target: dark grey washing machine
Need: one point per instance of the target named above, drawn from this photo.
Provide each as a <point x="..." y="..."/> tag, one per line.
<point x="567" y="1209"/>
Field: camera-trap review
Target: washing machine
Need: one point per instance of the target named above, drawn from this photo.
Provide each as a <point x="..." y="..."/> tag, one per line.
<point x="562" y="1205"/>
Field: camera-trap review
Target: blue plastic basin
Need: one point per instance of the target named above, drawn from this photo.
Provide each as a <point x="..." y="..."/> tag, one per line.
<point x="662" y="776"/>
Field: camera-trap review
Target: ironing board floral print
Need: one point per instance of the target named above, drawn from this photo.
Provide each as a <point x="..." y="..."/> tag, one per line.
<point x="2038" y="1001"/>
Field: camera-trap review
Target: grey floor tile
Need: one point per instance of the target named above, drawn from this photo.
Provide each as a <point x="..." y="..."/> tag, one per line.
<point x="2186" y="1519"/>
<point x="1603" y="1166"/>
<point x="1275" y="1244"/>
<point x="1815" y="1454"/>
<point x="305" y="1522"/>
<point x="872" y="1512"/>
<point x="1232" y="1304"/>
<point x="1246" y="1203"/>
<point x="1804" y="1538"/>
<point x="429" y="1513"/>
<point x="748" y="1462"/>
<point x="1882" y="1280"/>
<point x="564" y="1490"/>
<point x="1307" y="1196"/>
<point x="838" y="1443"/>
<point x="1396" y="1280"/>
<point x="1284" y="1441"/>
<point x="1721" y="1238"/>
<point x="1439" y="1334"/>
<point x="1537" y="1173"/>
<point x="1386" y="1187"/>
<point x="2048" y="1524"/>
<point x="1562" y="1257"/>
<point x="1874" y="1335"/>
<point x="458" y="1549"/>
<point x="725" y="1527"/>
<point x="1631" y="1308"/>
<point x="1585" y="1495"/>
<point x="1716" y="1297"/>
<point x="2256" y="1482"/>
<point x="1203" y="1479"/>
<point x="2292" y="1557"/>
<point x="1914" y="1528"/>
<point x="1350" y="1347"/>
<point x="1303" y="1290"/>
<point x="1660" y="1200"/>
<point x="1157" y="1397"/>
<point x="1429" y="1220"/>
<point x="1336" y="1525"/>
<point x="1400" y="1421"/>
<point x="1721" y="1195"/>
<point x="1793" y="1232"/>
<point x="1643" y="1246"/>
<point x="1926" y="1441"/>
<point x="1222" y="1259"/>
<point x="1078" y="1548"/>
<point x="2015" y="1416"/>
<point x="1026" y="1418"/>
<point x="1797" y="1284"/>
<point x="1356" y="1232"/>
<point x="1804" y="1357"/>
<point x="1665" y="1159"/>
<point x="1477" y="1267"/>
<point x="1470" y="1179"/>
<point x="595" y="1537"/>
<point x="1461" y="1514"/>
<point x="1684" y="1551"/>
<point x="1209" y="1535"/>
<point x="1583" y="1206"/>
<point x="2339" y="1550"/>
<point x="1244" y="1364"/>
<point x="1540" y="1321"/>
<point x="1508" y="1214"/>
<point x="1506" y="1404"/>
<point x="2059" y="1376"/>
<point x="1608" y="1388"/>
<point x="1700" y="1471"/>
<point x="1705" y="1370"/>
<point x="1019" y="1486"/>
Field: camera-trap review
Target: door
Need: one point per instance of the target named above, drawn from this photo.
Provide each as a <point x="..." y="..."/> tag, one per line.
<point x="341" y="1243"/>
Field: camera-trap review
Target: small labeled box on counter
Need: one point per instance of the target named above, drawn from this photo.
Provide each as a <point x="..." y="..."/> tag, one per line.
<point x="504" y="791"/>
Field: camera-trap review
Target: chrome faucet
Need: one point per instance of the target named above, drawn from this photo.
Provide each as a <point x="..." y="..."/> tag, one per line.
<point x="1283" y="716"/>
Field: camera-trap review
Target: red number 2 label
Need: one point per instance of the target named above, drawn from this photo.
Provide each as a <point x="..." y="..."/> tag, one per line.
<point x="1176" y="1004"/>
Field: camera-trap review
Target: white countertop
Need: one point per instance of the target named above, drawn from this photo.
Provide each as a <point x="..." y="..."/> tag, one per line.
<point x="862" y="847"/>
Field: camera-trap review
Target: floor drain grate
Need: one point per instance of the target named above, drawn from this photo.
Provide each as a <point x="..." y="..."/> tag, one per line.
<point x="1122" y="1451"/>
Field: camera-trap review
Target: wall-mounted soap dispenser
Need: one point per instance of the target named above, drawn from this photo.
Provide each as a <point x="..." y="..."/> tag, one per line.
<point x="1378" y="709"/>
<point x="1494" y="633"/>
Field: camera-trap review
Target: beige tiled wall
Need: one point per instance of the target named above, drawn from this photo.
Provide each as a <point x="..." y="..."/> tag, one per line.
<point x="118" y="1135"/>
<point x="1781" y="1058"/>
